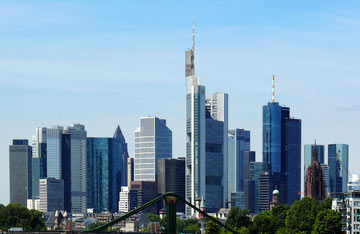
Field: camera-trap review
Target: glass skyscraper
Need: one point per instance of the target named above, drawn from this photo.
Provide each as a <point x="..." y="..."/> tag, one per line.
<point x="78" y="167"/>
<point x="60" y="153"/>
<point x="39" y="160"/>
<point x="153" y="141"/>
<point x="238" y="143"/>
<point x="53" y="142"/>
<point x="282" y="149"/>
<point x="338" y="162"/>
<point x="293" y="159"/>
<point x="206" y="142"/>
<point x="105" y="171"/>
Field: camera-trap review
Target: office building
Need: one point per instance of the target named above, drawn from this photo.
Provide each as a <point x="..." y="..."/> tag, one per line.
<point x="216" y="146"/>
<point x="269" y="181"/>
<point x="124" y="200"/>
<point x="153" y="141"/>
<point x="78" y="167"/>
<point x="349" y="206"/>
<point x="237" y="199"/>
<point x="282" y="149"/>
<point x="105" y="171"/>
<point x="66" y="169"/>
<point x="120" y="149"/>
<point x="249" y="180"/>
<point x="171" y="178"/>
<point x="39" y="160"/>
<point x="53" y="150"/>
<point x="256" y="168"/>
<point x="51" y="195"/>
<point x="142" y="192"/>
<point x="315" y="182"/>
<point x="293" y="160"/>
<point x="130" y="170"/>
<point x="325" y="170"/>
<point x="338" y="162"/>
<point x="206" y="142"/>
<point x="20" y="171"/>
<point x="238" y="143"/>
<point x="354" y="183"/>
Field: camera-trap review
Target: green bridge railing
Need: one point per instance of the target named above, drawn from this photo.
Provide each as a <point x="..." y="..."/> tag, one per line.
<point x="171" y="200"/>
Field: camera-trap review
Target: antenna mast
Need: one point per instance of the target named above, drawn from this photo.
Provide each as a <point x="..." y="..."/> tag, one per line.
<point x="193" y="37"/>
<point x="273" y="89"/>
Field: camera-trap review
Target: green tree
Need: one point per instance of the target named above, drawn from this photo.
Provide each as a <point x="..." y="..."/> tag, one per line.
<point x="279" y="215"/>
<point x="301" y="215"/>
<point x="282" y="230"/>
<point x="16" y="215"/>
<point x="238" y="218"/>
<point x="95" y="225"/>
<point x="212" y="228"/>
<point x="192" y="226"/>
<point x="326" y="204"/>
<point x="153" y="217"/>
<point x="327" y="221"/>
<point x="263" y="224"/>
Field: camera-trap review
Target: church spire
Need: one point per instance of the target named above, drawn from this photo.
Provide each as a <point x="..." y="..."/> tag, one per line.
<point x="315" y="153"/>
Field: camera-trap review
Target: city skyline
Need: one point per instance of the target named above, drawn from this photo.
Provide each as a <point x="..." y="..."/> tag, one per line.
<point x="244" y="54"/>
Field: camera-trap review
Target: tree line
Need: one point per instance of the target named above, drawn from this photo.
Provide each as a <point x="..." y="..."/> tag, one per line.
<point x="16" y="215"/>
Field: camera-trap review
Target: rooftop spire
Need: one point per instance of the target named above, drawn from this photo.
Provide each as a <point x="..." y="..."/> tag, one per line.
<point x="118" y="134"/>
<point x="315" y="154"/>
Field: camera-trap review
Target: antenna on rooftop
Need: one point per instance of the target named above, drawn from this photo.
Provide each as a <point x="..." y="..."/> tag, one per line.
<point x="273" y="89"/>
<point x="193" y="37"/>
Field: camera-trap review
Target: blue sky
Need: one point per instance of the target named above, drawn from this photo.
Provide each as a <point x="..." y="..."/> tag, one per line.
<point x="103" y="63"/>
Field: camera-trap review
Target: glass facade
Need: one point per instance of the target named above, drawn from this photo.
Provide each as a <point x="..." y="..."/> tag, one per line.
<point x="338" y="162"/>
<point x="258" y="168"/>
<point x="293" y="159"/>
<point x="214" y="165"/>
<point x="282" y="149"/>
<point x="39" y="160"/>
<point x="78" y="167"/>
<point x="53" y="142"/>
<point x="153" y="141"/>
<point x="105" y="171"/>
<point x="195" y="141"/>
<point x="98" y="169"/>
<point x="238" y="143"/>
<point x="272" y="136"/>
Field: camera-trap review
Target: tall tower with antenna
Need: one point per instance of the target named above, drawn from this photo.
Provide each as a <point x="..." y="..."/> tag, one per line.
<point x="206" y="140"/>
<point x="282" y="148"/>
<point x="190" y="57"/>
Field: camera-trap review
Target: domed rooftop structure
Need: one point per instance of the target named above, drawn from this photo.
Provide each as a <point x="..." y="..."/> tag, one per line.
<point x="276" y="192"/>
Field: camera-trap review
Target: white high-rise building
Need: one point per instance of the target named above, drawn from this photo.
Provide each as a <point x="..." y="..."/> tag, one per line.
<point x="124" y="201"/>
<point x="153" y="141"/>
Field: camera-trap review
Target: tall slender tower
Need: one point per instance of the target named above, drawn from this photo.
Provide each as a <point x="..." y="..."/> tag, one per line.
<point x="206" y="141"/>
<point x="282" y="149"/>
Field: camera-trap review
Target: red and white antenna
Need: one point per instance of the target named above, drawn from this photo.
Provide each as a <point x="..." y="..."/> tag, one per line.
<point x="273" y="89"/>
